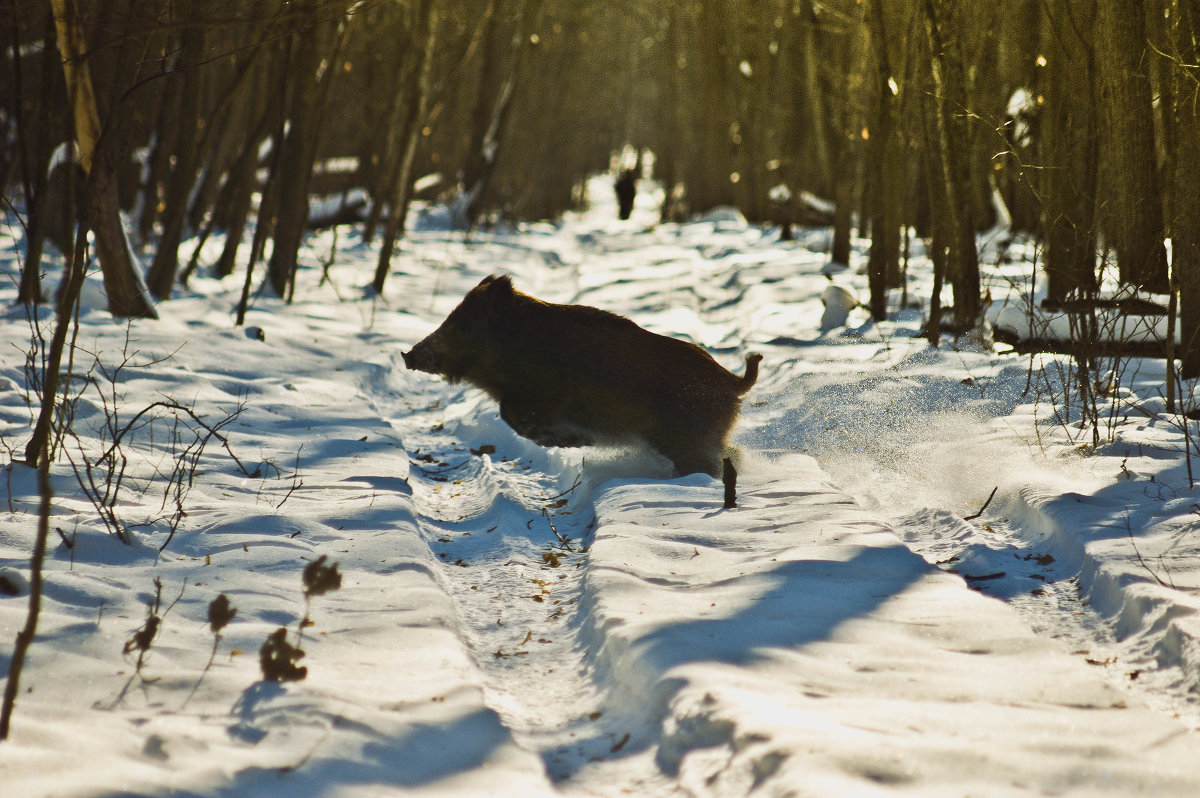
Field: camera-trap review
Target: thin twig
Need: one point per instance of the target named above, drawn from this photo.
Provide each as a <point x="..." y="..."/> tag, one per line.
<point x="566" y="542"/>
<point x="1137" y="553"/>
<point x="991" y="496"/>
<point x="296" y="481"/>
<point x="578" y="480"/>
<point x="213" y="432"/>
<point x="439" y="471"/>
<point x="211" y="659"/>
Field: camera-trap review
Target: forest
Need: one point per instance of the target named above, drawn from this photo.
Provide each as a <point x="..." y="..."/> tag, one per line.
<point x="1073" y="120"/>
<point x="233" y="410"/>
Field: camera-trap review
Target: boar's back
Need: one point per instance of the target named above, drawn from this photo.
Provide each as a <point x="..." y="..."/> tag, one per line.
<point x="579" y="352"/>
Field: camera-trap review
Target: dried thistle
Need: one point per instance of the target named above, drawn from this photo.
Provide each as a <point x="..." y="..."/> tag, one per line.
<point x="278" y="659"/>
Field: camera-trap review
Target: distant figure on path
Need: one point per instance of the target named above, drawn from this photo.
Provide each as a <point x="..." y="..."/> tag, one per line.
<point x="626" y="191"/>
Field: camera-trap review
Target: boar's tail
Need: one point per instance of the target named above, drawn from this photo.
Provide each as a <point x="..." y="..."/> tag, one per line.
<point x="751" y="376"/>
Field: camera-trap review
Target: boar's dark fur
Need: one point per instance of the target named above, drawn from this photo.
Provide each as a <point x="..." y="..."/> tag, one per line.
<point x="572" y="375"/>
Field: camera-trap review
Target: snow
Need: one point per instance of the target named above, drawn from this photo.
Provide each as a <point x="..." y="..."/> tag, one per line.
<point x="850" y="628"/>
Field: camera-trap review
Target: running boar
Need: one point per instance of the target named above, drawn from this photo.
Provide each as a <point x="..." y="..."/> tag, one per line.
<point x="572" y="375"/>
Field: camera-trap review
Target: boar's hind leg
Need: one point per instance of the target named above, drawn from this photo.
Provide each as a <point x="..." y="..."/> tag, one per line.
<point x="690" y="451"/>
<point x="530" y="420"/>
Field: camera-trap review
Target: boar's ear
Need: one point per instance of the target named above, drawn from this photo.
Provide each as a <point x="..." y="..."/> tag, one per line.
<point x="498" y="282"/>
<point x="500" y="299"/>
<point x="499" y="290"/>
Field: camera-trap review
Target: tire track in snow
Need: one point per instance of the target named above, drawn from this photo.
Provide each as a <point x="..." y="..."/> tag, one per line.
<point x="493" y="520"/>
<point x="902" y="463"/>
<point x="997" y="559"/>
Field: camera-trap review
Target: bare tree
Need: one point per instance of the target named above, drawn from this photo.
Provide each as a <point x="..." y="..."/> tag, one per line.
<point x="1185" y="227"/>
<point x="315" y="44"/>
<point x="852" y="49"/>
<point x="494" y="137"/>
<point x="407" y="136"/>
<point x="97" y="150"/>
<point x="1132" y="210"/>
<point x="884" y="158"/>
<point x="1068" y="149"/>
<point x="179" y="135"/>
<point x="943" y="23"/>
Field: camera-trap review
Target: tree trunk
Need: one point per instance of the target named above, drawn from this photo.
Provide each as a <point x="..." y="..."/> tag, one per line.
<point x="938" y="221"/>
<point x="531" y="11"/>
<point x="296" y="153"/>
<point x="161" y="278"/>
<point x="1133" y="208"/>
<point x="1069" y="151"/>
<point x="847" y="177"/>
<point x="413" y="124"/>
<point x="883" y="158"/>
<point x="813" y="111"/>
<point x="487" y="91"/>
<point x="1185" y="230"/>
<point x="127" y="295"/>
<point x="383" y="182"/>
<point x="30" y="291"/>
<point x="236" y="196"/>
<point x="672" y="145"/>
<point x="716" y="154"/>
<point x="36" y="166"/>
<point x="953" y="150"/>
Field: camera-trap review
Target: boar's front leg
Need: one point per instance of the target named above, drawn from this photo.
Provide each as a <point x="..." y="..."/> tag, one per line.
<point x="535" y="419"/>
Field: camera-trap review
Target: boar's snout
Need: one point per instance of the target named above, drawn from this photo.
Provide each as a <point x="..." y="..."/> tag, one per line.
<point x="423" y="357"/>
<point x="419" y="359"/>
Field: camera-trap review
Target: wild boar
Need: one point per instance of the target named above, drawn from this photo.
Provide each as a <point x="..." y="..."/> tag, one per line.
<point x="572" y="375"/>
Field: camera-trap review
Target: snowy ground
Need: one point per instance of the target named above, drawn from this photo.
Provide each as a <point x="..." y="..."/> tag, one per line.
<point x="844" y="631"/>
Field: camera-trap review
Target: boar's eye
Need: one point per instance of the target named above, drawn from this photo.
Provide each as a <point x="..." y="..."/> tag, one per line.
<point x="461" y="317"/>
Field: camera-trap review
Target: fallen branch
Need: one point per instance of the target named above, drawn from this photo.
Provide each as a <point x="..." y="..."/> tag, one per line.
<point x="1059" y="346"/>
<point x="1128" y="306"/>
